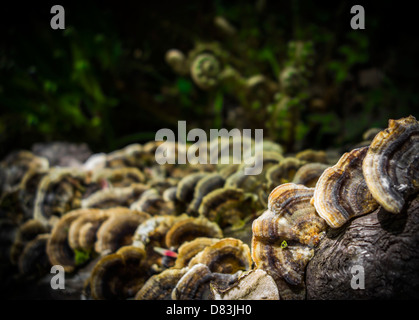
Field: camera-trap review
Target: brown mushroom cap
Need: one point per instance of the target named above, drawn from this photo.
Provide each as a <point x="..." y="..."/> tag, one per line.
<point x="283" y="172"/>
<point x="82" y="231"/>
<point x="59" y="192"/>
<point x="205" y="185"/>
<point x="189" y="229"/>
<point x="153" y="203"/>
<point x="114" y="197"/>
<point x="25" y="233"/>
<point x="151" y="234"/>
<point x="186" y="186"/>
<point x="309" y="174"/>
<point x="14" y="167"/>
<point x="225" y="256"/>
<point x="311" y="155"/>
<point x="341" y="192"/>
<point x="58" y="249"/>
<point x="119" y="275"/>
<point x="189" y="249"/>
<point x="129" y="156"/>
<point x="34" y="260"/>
<point x="119" y="177"/>
<point x="160" y="286"/>
<point x="196" y="283"/>
<point x="28" y="190"/>
<point x="228" y="206"/>
<point x="284" y="237"/>
<point x="118" y="231"/>
<point x="391" y="165"/>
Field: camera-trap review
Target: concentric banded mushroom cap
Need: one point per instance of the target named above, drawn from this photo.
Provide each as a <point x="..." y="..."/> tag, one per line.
<point x="118" y="231"/>
<point x="309" y="174"/>
<point x="290" y="216"/>
<point x="119" y="275"/>
<point x="191" y="228"/>
<point x="194" y="284"/>
<point x="311" y="155"/>
<point x="391" y="165"/>
<point x="186" y="186"/>
<point x="34" y="260"/>
<point x="227" y="206"/>
<point x="26" y="232"/>
<point x="204" y="186"/>
<point x="160" y="286"/>
<point x="285" y="234"/>
<point x="341" y="192"/>
<point x="225" y="256"/>
<point x="59" y="192"/>
<point x="283" y="172"/>
<point x="58" y="249"/>
<point x="190" y="249"/>
<point x="82" y="231"/>
<point x="114" y="197"/>
<point x="119" y="177"/>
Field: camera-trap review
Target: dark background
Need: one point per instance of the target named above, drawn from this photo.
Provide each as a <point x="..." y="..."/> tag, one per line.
<point x="104" y="79"/>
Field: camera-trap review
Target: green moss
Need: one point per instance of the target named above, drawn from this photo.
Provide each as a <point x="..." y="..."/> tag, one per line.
<point x="81" y="256"/>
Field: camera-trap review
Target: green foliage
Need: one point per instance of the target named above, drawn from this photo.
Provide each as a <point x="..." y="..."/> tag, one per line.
<point x="103" y="80"/>
<point x="81" y="256"/>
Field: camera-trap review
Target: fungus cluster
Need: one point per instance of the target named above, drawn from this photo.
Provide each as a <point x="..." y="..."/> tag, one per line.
<point x="131" y="228"/>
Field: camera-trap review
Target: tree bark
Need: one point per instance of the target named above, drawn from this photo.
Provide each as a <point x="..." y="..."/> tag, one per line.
<point x="383" y="245"/>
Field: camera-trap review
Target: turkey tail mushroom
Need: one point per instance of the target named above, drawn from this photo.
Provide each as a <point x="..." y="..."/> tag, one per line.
<point x="228" y="255"/>
<point x="118" y="231"/>
<point x="119" y="275"/>
<point x="391" y="165"/>
<point x="284" y="237"/>
<point x="341" y="192"/>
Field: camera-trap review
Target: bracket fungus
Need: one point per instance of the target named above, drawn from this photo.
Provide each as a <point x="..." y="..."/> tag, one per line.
<point x="186" y="186"/>
<point x="119" y="275"/>
<point x="82" y="231"/>
<point x="58" y="192"/>
<point x="129" y="156"/>
<point x="118" y="231"/>
<point x="341" y="192"/>
<point x="290" y="217"/>
<point x="14" y="167"/>
<point x="28" y="190"/>
<point x="228" y="206"/>
<point x="189" y="229"/>
<point x="283" y="172"/>
<point x="309" y="174"/>
<point x="118" y="177"/>
<point x="133" y="229"/>
<point x="196" y="283"/>
<point x="204" y="186"/>
<point x="114" y="197"/>
<point x="26" y="232"/>
<point x="34" y="260"/>
<point x="190" y="249"/>
<point x="391" y="166"/>
<point x="160" y="286"/>
<point x="58" y="250"/>
<point x="228" y="255"/>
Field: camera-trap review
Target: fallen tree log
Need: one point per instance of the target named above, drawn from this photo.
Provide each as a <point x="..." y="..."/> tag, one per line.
<point x="375" y="256"/>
